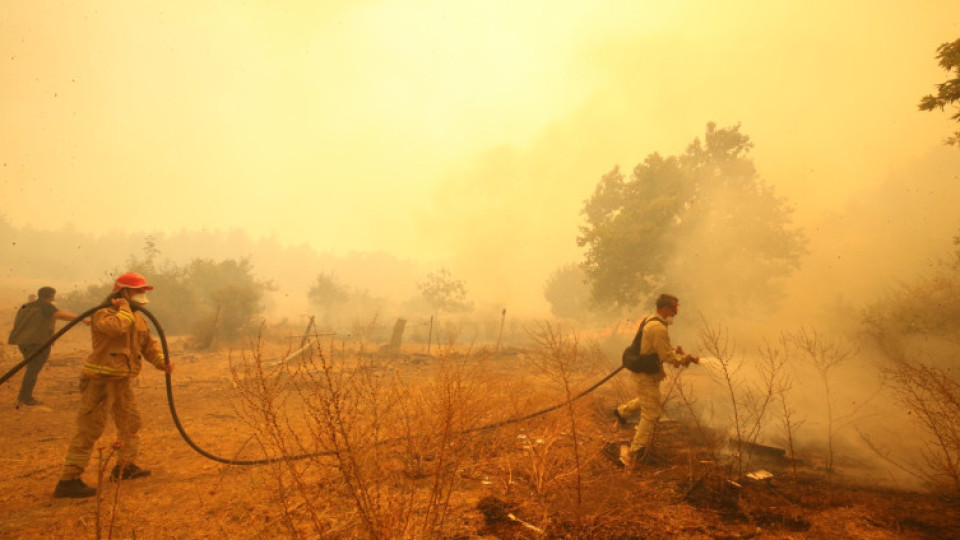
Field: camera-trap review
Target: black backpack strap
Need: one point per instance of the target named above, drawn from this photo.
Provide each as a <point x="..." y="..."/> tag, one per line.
<point x="639" y="336"/>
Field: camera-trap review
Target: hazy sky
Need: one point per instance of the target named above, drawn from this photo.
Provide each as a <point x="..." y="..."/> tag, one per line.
<point x="465" y="130"/>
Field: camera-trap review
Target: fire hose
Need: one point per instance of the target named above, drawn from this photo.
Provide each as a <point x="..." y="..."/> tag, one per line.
<point x="186" y="438"/>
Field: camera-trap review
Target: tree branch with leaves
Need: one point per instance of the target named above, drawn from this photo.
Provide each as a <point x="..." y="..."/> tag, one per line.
<point x="948" y="92"/>
<point x="687" y="223"/>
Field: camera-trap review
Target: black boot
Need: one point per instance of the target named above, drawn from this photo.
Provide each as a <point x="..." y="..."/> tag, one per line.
<point x="629" y="458"/>
<point x="74" y="489"/>
<point x="127" y="472"/>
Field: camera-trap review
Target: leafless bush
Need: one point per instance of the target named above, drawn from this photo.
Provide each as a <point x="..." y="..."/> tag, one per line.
<point x="825" y="354"/>
<point x="789" y="422"/>
<point x="716" y="342"/>
<point x="751" y="396"/>
<point x="932" y="395"/>
<point x="437" y="417"/>
<point x="366" y="435"/>
<point x="561" y="357"/>
<point x="772" y="386"/>
<point x="543" y="462"/>
<point x="264" y="393"/>
<point x="103" y="462"/>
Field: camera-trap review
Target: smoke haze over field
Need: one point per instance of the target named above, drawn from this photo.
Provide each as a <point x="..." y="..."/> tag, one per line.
<point x="469" y="134"/>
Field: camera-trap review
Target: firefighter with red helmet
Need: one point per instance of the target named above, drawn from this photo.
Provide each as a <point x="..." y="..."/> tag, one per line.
<point x="121" y="341"/>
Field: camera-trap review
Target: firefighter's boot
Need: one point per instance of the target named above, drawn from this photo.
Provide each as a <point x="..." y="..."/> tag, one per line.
<point x="74" y="489"/>
<point x="127" y="472"/>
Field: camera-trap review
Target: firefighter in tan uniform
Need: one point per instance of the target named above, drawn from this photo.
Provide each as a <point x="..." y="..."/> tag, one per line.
<point x="655" y="339"/>
<point x="121" y="341"/>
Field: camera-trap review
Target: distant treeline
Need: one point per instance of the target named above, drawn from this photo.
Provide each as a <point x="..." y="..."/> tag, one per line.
<point x="68" y="256"/>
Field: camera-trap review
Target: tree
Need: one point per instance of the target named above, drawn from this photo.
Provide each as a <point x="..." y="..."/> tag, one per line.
<point x="568" y="292"/>
<point x="231" y="295"/>
<point x="938" y="292"/>
<point x="948" y="93"/>
<point x="701" y="223"/>
<point x="208" y="299"/>
<point x="444" y="293"/>
<point x="327" y="292"/>
<point x="172" y="301"/>
<point x="340" y="304"/>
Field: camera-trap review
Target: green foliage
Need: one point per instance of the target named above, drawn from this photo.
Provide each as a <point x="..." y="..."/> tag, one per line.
<point x="568" y="292"/>
<point x="328" y="291"/>
<point x="83" y="299"/>
<point x="444" y="293"/>
<point x="208" y="300"/>
<point x="340" y="305"/>
<point x="228" y="292"/>
<point x="948" y="92"/>
<point x="689" y="223"/>
<point x="929" y="306"/>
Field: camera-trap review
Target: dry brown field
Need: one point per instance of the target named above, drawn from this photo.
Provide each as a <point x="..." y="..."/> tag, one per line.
<point x="394" y="451"/>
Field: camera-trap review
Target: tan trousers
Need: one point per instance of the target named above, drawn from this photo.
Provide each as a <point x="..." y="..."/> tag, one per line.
<point x="648" y="404"/>
<point x="100" y="396"/>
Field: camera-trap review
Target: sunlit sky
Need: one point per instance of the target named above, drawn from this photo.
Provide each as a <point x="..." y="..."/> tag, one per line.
<point x="288" y="118"/>
<point x="463" y="130"/>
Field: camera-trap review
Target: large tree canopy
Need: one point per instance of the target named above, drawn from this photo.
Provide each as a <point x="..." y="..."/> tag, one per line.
<point x="701" y="223"/>
<point x="948" y="93"/>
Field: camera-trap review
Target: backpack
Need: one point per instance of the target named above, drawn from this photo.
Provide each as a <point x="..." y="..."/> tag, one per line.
<point x="641" y="363"/>
<point x="24" y="324"/>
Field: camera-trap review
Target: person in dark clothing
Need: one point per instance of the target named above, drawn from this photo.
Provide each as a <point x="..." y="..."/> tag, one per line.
<point x="32" y="327"/>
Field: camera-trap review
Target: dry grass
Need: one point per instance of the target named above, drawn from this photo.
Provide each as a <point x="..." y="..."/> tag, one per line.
<point x="404" y="463"/>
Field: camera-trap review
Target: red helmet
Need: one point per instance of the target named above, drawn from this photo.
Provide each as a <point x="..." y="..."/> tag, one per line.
<point x="131" y="280"/>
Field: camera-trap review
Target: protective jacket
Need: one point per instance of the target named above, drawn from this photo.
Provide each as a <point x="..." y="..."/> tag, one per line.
<point x="121" y="340"/>
<point x="656" y="340"/>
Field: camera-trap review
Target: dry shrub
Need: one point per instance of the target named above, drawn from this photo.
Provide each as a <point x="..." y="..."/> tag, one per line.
<point x="751" y="395"/>
<point x="362" y="447"/>
<point x="826" y="355"/>
<point x="932" y="395"/>
<point x="384" y="450"/>
<point x="560" y="356"/>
